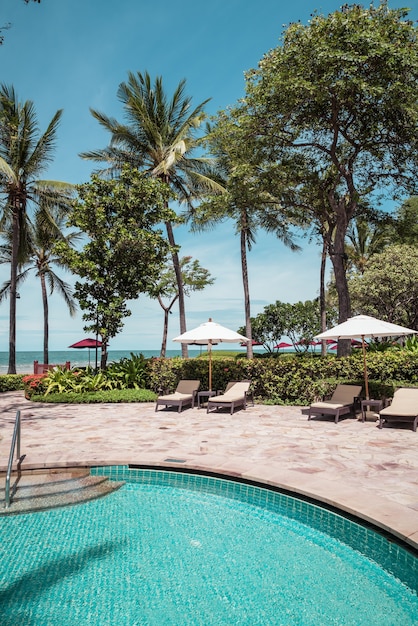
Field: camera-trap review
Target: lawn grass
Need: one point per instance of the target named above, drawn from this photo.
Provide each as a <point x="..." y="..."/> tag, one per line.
<point x="91" y="397"/>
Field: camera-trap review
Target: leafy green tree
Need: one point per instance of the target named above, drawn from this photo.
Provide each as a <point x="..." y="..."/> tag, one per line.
<point x="24" y="155"/>
<point x="42" y="235"/>
<point x="299" y="321"/>
<point x="195" y="278"/>
<point x="388" y="287"/>
<point x="267" y="328"/>
<point x="125" y="251"/>
<point x="160" y="139"/>
<point x="340" y="93"/>
<point x="406" y="224"/>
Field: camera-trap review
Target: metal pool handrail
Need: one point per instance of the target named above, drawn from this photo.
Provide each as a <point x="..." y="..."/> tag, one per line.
<point x="15" y="444"/>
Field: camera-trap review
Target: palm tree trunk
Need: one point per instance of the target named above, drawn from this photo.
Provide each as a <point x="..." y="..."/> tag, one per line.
<point x="322" y="303"/>
<point x="45" y="308"/>
<point x="13" y="281"/>
<point x="244" y="266"/>
<point x="179" y="279"/>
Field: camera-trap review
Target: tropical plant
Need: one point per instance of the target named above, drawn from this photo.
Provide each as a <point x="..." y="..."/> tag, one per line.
<point x="24" y="154"/>
<point x="364" y="240"/>
<point x="129" y="373"/>
<point x="159" y="138"/>
<point x="411" y="344"/>
<point x="59" y="380"/>
<point x="42" y="234"/>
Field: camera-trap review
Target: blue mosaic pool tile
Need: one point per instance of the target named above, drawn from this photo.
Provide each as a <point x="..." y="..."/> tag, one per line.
<point x="392" y="557"/>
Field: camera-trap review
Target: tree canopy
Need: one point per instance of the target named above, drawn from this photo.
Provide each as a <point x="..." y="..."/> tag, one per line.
<point x="388" y="288"/>
<point x="125" y="250"/>
<point x="331" y="118"/>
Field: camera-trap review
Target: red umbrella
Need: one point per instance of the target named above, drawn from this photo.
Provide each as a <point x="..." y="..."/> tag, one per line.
<point x="283" y="345"/>
<point x="253" y="342"/>
<point x="87" y="343"/>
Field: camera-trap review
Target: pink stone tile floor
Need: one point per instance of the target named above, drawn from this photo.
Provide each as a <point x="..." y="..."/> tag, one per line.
<point x="352" y="465"/>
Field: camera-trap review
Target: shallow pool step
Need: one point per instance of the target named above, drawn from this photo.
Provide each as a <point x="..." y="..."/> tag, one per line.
<point x="41" y="491"/>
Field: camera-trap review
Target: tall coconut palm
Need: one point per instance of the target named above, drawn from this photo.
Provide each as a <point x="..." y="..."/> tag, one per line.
<point x="47" y="228"/>
<point x="244" y="202"/>
<point x="24" y="154"/>
<point x="159" y="138"/>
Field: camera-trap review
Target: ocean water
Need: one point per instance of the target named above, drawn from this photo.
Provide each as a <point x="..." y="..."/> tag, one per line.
<point x="79" y="358"/>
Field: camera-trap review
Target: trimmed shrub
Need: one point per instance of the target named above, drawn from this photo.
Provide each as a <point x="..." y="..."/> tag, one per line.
<point x="11" y="382"/>
<point x="113" y="396"/>
<point x="298" y="379"/>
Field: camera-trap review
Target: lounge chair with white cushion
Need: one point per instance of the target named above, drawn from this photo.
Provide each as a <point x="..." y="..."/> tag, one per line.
<point x="340" y="403"/>
<point x="235" y="395"/>
<point x="403" y="408"/>
<point x="183" y="396"/>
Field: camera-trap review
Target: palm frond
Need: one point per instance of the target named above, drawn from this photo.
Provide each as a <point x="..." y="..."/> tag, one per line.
<point x="55" y="282"/>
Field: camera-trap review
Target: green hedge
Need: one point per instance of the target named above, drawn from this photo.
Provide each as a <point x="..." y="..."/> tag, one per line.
<point x="296" y="380"/>
<point x="11" y="382"/>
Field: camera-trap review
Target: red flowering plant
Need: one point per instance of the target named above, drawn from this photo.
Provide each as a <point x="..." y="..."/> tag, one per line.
<point x="34" y="384"/>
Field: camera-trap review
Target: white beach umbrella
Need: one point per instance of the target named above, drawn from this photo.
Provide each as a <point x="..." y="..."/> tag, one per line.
<point x="209" y="334"/>
<point x="362" y="326"/>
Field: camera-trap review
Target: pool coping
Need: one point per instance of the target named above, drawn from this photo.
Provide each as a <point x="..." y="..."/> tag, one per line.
<point x="264" y="444"/>
<point x="370" y="514"/>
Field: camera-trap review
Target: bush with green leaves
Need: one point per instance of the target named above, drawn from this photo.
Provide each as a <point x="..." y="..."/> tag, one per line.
<point x="129" y="372"/>
<point x="11" y="382"/>
<point x="411" y="344"/>
<point x="296" y="380"/>
<point x="34" y="384"/>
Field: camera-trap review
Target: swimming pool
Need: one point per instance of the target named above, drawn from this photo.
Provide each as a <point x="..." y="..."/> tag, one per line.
<point x="180" y="549"/>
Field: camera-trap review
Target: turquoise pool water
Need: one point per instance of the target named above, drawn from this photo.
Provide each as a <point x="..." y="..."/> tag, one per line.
<point x="177" y="549"/>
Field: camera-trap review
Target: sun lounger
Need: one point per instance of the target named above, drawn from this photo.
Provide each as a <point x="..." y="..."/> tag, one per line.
<point x="403" y="408"/>
<point x="235" y="396"/>
<point x="340" y="403"/>
<point x="183" y="396"/>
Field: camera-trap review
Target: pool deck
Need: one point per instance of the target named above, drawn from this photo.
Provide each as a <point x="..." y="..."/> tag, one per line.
<point x="351" y="465"/>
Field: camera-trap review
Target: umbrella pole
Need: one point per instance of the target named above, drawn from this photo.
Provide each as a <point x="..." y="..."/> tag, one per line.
<point x="210" y="364"/>
<point x="366" y="378"/>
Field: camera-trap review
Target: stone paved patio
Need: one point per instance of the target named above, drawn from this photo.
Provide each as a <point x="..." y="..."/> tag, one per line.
<point x="355" y="466"/>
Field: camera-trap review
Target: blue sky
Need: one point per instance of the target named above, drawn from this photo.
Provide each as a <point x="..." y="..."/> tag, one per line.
<point x="73" y="56"/>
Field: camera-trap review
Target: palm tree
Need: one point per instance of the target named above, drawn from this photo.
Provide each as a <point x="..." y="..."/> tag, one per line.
<point x="244" y="202"/>
<point x="47" y="228"/>
<point x="159" y="138"/>
<point x="364" y="240"/>
<point x="24" y="154"/>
